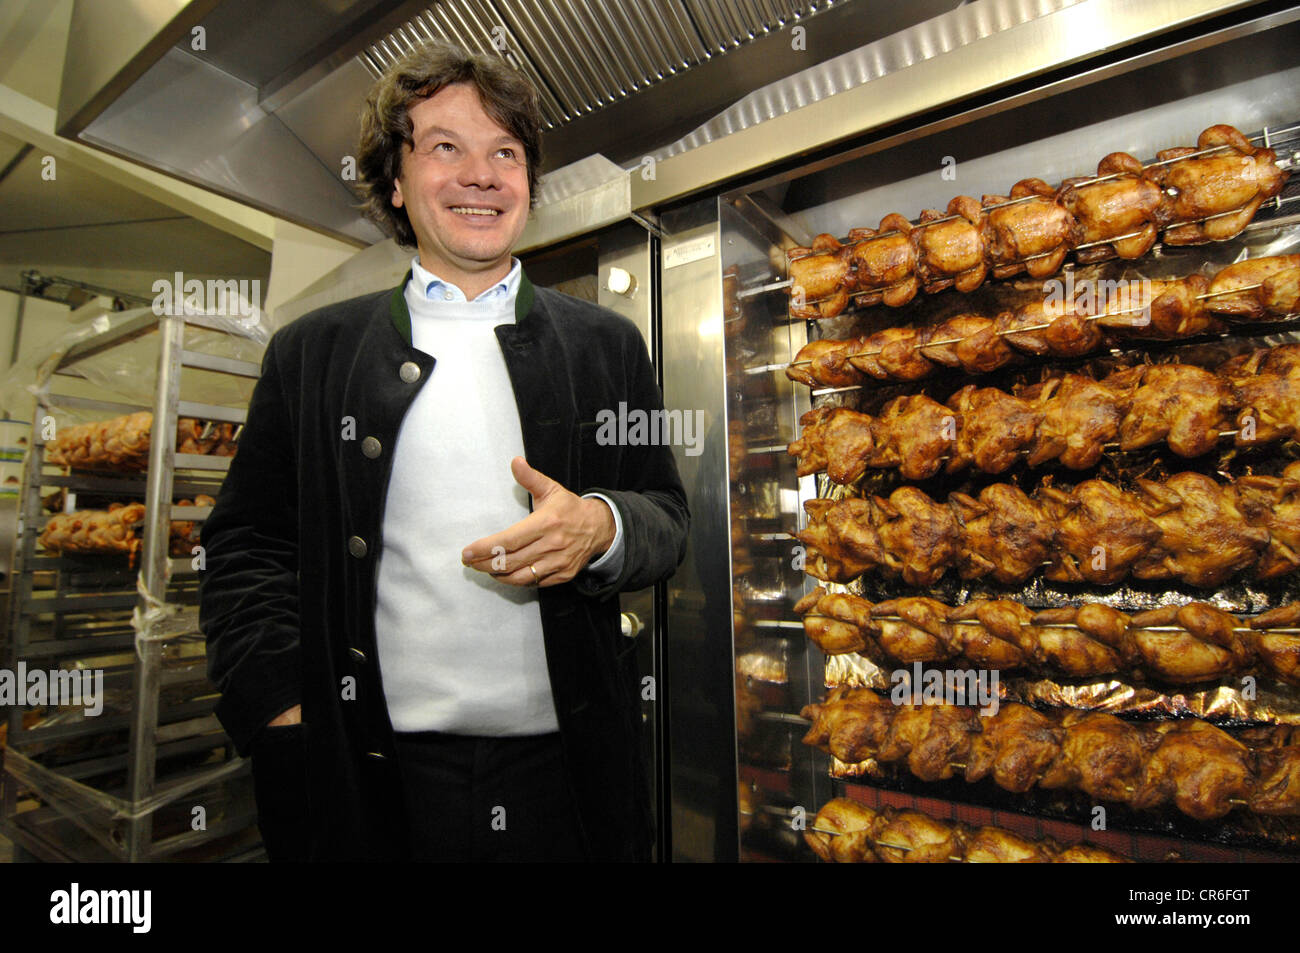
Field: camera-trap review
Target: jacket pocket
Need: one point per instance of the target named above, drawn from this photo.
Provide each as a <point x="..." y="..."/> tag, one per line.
<point x="279" y="764"/>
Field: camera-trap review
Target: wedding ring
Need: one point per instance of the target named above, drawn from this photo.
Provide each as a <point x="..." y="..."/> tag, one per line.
<point x="536" y="580"/>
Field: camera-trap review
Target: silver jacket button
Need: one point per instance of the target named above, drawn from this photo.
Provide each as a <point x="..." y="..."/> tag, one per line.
<point x="409" y="372"/>
<point x="357" y="546"/>
<point x="371" y="447"/>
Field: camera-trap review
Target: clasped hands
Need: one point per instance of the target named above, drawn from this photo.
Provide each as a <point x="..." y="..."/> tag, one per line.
<point x="553" y="543"/>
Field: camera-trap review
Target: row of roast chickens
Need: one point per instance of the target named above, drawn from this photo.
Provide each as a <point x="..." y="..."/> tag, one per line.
<point x="1257" y="289"/>
<point x="122" y="443"/>
<point x="849" y="832"/>
<point x="1177" y="645"/>
<point x="1071" y="419"/>
<point x="1200" y="769"/>
<point x="1188" y="527"/>
<point x="117" y="530"/>
<point x="1188" y="196"/>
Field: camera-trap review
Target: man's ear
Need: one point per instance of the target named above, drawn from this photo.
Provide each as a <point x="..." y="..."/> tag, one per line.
<point x="396" y="197"/>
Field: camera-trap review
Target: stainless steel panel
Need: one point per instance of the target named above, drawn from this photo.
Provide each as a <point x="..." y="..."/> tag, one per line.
<point x="647" y="71"/>
<point x="194" y="121"/>
<point x="236" y="117"/>
<point x="676" y="36"/>
<point x="575" y="53"/>
<point x="577" y="200"/>
<point x="110" y="45"/>
<point x="1248" y="82"/>
<point x="613" y="58"/>
<point x="700" y="669"/>
<point x="980" y="46"/>
<point x="344" y="46"/>
<point x="268" y="43"/>
<point x="621" y="59"/>
<point x="537" y="44"/>
<point x="691" y="87"/>
<point x="629" y="247"/>
<point x="705" y="16"/>
<point x="487" y="19"/>
<point x="577" y="49"/>
<point x="588" y="41"/>
<point x="324" y="116"/>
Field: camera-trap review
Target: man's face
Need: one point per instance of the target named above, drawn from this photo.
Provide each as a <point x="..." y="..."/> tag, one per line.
<point x="464" y="185"/>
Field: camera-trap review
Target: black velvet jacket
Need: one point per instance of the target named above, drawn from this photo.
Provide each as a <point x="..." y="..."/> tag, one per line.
<point x="287" y="596"/>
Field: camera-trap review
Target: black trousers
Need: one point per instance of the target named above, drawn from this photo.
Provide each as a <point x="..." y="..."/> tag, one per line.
<point x="484" y="799"/>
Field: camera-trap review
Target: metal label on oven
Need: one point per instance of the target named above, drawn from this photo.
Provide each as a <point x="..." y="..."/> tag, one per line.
<point x="687" y="252"/>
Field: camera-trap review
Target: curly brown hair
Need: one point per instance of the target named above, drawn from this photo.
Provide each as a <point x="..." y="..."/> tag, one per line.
<point x="386" y="128"/>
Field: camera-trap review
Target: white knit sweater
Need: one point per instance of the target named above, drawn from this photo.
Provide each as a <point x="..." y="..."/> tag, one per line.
<point x="459" y="651"/>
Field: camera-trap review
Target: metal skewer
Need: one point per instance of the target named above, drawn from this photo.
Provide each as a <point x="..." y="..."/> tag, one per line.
<point x="1050" y="625"/>
<point x="1111" y="445"/>
<point x="1085" y="183"/>
<point x="918" y="225"/>
<point x="763" y="289"/>
<point x="838" y="390"/>
<point x="1278" y="201"/>
<point x="1027" y="328"/>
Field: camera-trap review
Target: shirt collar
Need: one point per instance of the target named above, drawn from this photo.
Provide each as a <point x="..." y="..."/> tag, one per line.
<point x="435" y="289"/>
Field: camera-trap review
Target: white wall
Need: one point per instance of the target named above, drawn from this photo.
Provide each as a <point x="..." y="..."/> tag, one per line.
<point x="300" y="257"/>
<point x="43" y="323"/>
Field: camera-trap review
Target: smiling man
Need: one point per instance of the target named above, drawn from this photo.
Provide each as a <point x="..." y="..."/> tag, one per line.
<point x="412" y="567"/>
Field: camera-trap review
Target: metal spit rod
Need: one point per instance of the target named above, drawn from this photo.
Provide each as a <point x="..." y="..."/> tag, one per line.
<point x="1262" y="136"/>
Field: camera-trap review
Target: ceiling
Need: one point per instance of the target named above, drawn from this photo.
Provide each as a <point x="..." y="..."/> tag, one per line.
<point x="265" y="108"/>
<point x="584" y="56"/>
<point x="84" y="227"/>
<point x="79" y="224"/>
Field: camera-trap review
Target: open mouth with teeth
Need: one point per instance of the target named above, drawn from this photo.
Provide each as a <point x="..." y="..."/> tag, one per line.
<point x="468" y="210"/>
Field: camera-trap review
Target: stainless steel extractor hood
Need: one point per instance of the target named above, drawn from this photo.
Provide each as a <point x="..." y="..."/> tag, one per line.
<point x="258" y="99"/>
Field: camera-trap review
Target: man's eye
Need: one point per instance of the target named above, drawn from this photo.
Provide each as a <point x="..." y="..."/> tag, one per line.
<point x="444" y="147"/>
<point x="506" y="153"/>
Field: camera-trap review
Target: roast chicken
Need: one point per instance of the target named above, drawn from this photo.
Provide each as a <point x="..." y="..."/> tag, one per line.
<point x="1192" y="194"/>
<point x="1071" y="419"/>
<point x="849" y="832"/>
<point x="1155" y="309"/>
<point x="1175" y="645"/>
<point x="1199" y="769"/>
<point x="1188" y="527"/>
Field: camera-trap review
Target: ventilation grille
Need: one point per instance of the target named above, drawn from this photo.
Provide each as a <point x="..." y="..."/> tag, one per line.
<point x="583" y="55"/>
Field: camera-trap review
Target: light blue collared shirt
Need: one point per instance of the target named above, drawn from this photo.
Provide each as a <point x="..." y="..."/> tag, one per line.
<point x="435" y="289"/>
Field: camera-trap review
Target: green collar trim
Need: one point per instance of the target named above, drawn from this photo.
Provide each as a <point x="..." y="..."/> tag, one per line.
<point x="401" y="315"/>
<point x="397" y="309"/>
<point x="524" y="299"/>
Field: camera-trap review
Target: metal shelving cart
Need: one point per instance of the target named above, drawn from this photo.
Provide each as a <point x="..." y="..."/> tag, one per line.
<point x="151" y="776"/>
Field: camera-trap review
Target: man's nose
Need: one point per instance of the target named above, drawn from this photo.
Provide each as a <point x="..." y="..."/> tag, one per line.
<point x="479" y="171"/>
